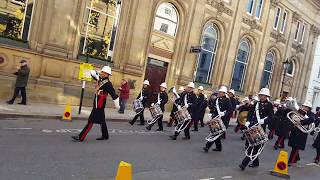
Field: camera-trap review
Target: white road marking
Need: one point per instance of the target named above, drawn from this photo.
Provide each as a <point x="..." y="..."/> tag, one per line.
<point x="17" y="128"/>
<point x="207" y="179"/>
<point x="226" y="177"/>
<point x="111" y="131"/>
<point x="313" y="164"/>
<point x="47" y="131"/>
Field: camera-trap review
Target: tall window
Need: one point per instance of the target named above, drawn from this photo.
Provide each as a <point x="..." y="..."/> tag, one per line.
<point x="166" y="19"/>
<point x="284" y="21"/>
<point x="207" y="54"/>
<point x="277" y="18"/>
<point x="302" y="34"/>
<point x="98" y="32"/>
<point x="290" y="69"/>
<point x="259" y="8"/>
<point x="240" y="66"/>
<point x="268" y="70"/>
<point x="250" y="6"/>
<point x="296" y="35"/>
<point x="15" y="18"/>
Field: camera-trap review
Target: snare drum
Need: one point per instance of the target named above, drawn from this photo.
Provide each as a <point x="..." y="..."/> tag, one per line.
<point x="137" y="106"/>
<point x="182" y="115"/>
<point x="255" y="135"/>
<point x="155" y="111"/>
<point x="217" y="126"/>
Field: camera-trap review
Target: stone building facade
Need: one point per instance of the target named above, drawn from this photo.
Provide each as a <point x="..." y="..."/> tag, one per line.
<point x="238" y="43"/>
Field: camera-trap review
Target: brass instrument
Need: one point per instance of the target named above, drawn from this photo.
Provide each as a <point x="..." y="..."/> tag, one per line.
<point x="296" y="118"/>
<point x="242" y="118"/>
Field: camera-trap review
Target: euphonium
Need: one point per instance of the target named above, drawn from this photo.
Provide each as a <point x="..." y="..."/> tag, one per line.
<point x="296" y="118"/>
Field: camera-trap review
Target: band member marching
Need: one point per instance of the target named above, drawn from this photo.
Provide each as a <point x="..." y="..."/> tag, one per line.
<point x="283" y="124"/>
<point x="97" y="116"/>
<point x="316" y="143"/>
<point x="260" y="113"/>
<point x="220" y="107"/>
<point x="243" y="114"/>
<point x="143" y="96"/>
<point x="189" y="101"/>
<point x="174" y="107"/>
<point x="298" y="138"/>
<point x="161" y="101"/>
<point x="200" y="109"/>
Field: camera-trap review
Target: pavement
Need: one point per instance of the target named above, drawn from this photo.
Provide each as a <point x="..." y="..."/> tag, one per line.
<point x="37" y="149"/>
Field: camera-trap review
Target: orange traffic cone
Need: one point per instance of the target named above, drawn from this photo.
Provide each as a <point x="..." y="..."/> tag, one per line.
<point x="67" y="112"/>
<point x="124" y="171"/>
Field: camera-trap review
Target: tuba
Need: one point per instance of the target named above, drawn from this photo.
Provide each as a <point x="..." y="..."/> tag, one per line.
<point x="242" y="118"/>
<point x="295" y="117"/>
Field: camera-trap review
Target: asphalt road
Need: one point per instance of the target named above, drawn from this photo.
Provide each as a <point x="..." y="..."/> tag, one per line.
<point x="43" y="149"/>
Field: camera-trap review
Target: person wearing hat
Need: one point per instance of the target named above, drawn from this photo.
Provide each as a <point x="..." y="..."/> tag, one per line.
<point x="274" y="122"/>
<point x="104" y="88"/>
<point x="200" y="108"/>
<point x="144" y="96"/>
<point x="188" y="101"/>
<point x="297" y="138"/>
<point x="283" y="124"/>
<point x="220" y="107"/>
<point x="124" y="95"/>
<point x="316" y="143"/>
<point x="162" y="101"/>
<point x="243" y="111"/>
<point x="178" y="101"/>
<point x="261" y="112"/>
<point x="234" y="103"/>
<point x="21" y="83"/>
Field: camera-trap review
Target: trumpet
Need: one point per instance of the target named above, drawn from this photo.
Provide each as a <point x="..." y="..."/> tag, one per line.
<point x="296" y="119"/>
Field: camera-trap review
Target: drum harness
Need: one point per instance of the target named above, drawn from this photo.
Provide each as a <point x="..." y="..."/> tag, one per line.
<point x="180" y="127"/>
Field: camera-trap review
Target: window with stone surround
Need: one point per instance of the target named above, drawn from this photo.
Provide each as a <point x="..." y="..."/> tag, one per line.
<point x="290" y="69"/>
<point x="296" y="35"/>
<point x="277" y="18"/>
<point x="207" y="55"/>
<point x="15" y="19"/>
<point x="284" y="22"/>
<point x="255" y="7"/>
<point x="268" y="70"/>
<point x="166" y="19"/>
<point x="98" y="31"/>
<point x="240" y="66"/>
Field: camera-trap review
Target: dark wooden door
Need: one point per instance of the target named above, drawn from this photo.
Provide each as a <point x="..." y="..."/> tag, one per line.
<point x="156" y="72"/>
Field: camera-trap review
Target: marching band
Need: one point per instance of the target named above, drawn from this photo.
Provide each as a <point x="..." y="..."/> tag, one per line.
<point x="253" y="115"/>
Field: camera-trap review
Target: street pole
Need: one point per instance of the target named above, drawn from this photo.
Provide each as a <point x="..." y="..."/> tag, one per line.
<point x="83" y="87"/>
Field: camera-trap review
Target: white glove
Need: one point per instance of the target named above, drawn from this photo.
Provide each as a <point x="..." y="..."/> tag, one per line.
<point x="261" y="121"/>
<point x="158" y="103"/>
<point x="210" y="116"/>
<point x="306" y="117"/>
<point x="116" y="103"/>
<point x="179" y="107"/>
<point x="152" y="104"/>
<point x="187" y="105"/>
<point x="222" y="114"/>
<point x="247" y="124"/>
<point x="94" y="75"/>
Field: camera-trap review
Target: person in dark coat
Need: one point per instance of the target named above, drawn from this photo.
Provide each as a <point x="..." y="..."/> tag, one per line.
<point x="162" y="101"/>
<point x="220" y="107"/>
<point x="189" y="101"/>
<point x="316" y="143"/>
<point x="21" y="83"/>
<point x="124" y="95"/>
<point x="175" y="108"/>
<point x="144" y="96"/>
<point x="97" y="116"/>
<point x="298" y="139"/>
<point x="243" y="108"/>
<point x="261" y="112"/>
<point x="283" y="125"/>
<point x="200" y="109"/>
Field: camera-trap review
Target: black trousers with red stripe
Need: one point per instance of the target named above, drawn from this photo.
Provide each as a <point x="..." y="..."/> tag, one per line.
<point x="280" y="141"/>
<point x="294" y="156"/>
<point x="87" y="128"/>
<point x="318" y="154"/>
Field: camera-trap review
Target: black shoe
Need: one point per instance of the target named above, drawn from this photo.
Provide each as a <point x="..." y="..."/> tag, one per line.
<point x="186" y="138"/>
<point x="202" y="125"/>
<point x="205" y="149"/>
<point x="76" y="138"/>
<point x="102" y="138"/>
<point x="173" y="137"/>
<point x="9" y="102"/>
<point x="140" y="124"/>
<point x="148" y="128"/>
<point x="121" y="112"/>
<point x="242" y="138"/>
<point x="281" y="147"/>
<point x="194" y="130"/>
<point x="130" y="122"/>
<point x="253" y="165"/>
<point x="218" y="150"/>
<point x="22" y="103"/>
<point x="242" y="167"/>
<point x="159" y="130"/>
<point x="275" y="147"/>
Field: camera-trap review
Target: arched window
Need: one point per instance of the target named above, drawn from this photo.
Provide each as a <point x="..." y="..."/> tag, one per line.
<point x="290" y="69"/>
<point x="268" y="70"/>
<point x="166" y="19"/>
<point x="240" y="66"/>
<point x="207" y="54"/>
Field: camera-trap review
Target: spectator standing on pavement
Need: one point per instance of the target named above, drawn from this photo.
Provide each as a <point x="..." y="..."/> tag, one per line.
<point x="21" y="83"/>
<point x="124" y="95"/>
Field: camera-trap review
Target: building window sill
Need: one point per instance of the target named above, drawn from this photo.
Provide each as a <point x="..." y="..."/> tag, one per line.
<point x="14" y="42"/>
<point x="95" y="60"/>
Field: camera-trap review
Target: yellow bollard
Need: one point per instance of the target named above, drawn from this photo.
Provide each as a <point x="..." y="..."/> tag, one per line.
<point x="281" y="167"/>
<point x="67" y="112"/>
<point x="124" y="171"/>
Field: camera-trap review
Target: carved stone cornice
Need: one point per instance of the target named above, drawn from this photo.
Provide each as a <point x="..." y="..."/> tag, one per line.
<point x="221" y="7"/>
<point x="315" y="30"/>
<point x="295" y="16"/>
<point x="298" y="47"/>
<point x="274" y="3"/>
<point x="278" y="37"/>
<point x="252" y="23"/>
